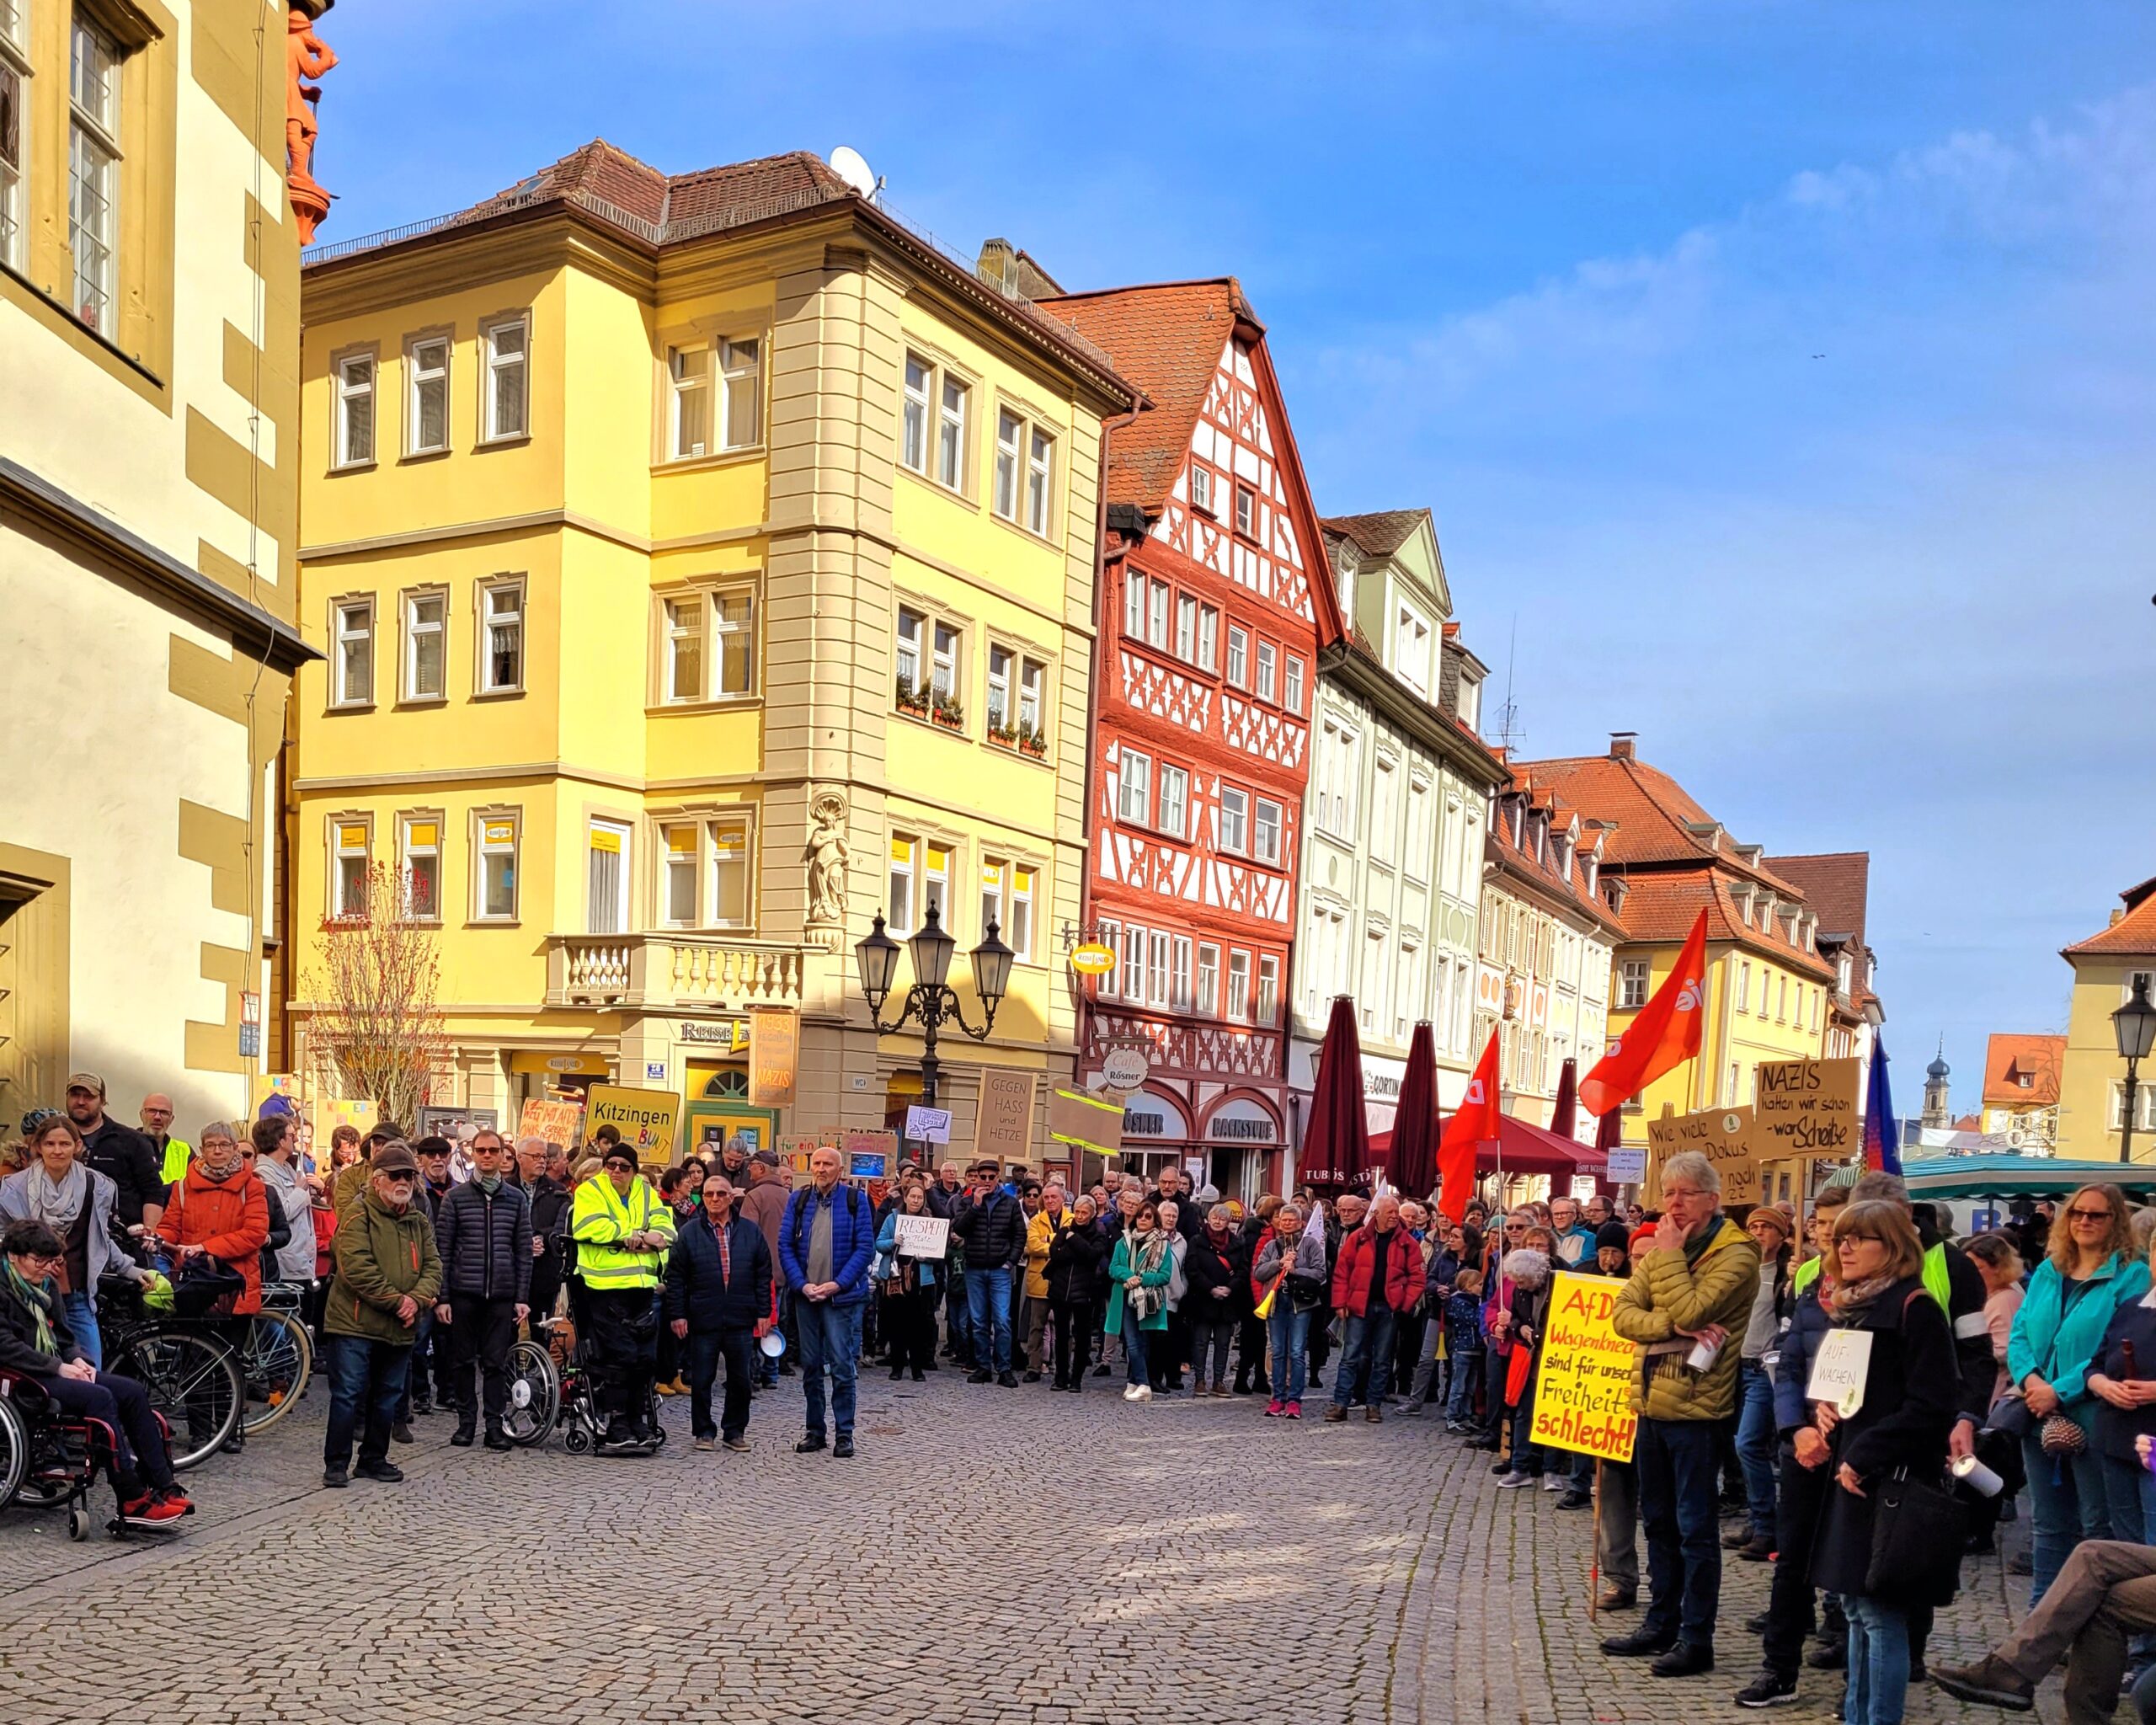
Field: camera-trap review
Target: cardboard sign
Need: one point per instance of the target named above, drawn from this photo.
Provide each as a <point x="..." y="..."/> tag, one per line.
<point x="858" y="1144"/>
<point x="794" y="1150"/>
<point x="1627" y="1167"/>
<point x="559" y="1122"/>
<point x="1838" y="1370"/>
<point x="1004" y="1126"/>
<point x="1583" y="1391"/>
<point x="645" y="1118"/>
<point x="928" y="1125"/>
<point x="1807" y="1108"/>
<point x="1723" y="1136"/>
<point x="1085" y="1122"/>
<point x="920" y="1236"/>
<point x="774" y="1058"/>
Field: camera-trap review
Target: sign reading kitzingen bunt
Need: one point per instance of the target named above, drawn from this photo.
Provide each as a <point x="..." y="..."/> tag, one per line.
<point x="1583" y="1387"/>
<point x="645" y="1118"/>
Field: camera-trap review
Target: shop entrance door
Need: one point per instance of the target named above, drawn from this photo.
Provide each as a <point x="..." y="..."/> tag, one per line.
<point x="722" y="1110"/>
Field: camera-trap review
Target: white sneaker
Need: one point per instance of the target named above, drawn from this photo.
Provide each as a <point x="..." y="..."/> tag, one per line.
<point x="1130" y="1392"/>
<point x="1141" y="1392"/>
<point x="1554" y="1482"/>
<point x="1514" y="1482"/>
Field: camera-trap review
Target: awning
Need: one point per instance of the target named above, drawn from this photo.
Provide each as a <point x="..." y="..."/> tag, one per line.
<point x="2020" y="1177"/>
<point x="1528" y="1149"/>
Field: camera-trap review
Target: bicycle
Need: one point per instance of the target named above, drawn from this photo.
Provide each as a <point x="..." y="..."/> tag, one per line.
<point x="193" y="1376"/>
<point x="276" y="1356"/>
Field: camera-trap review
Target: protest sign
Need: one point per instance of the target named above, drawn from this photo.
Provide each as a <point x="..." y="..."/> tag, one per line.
<point x="870" y="1154"/>
<point x="1807" y="1108"/>
<point x="645" y="1118"/>
<point x="774" y="1057"/>
<point x="1003" y="1127"/>
<point x="920" y="1236"/>
<point x="1838" y="1370"/>
<point x="1583" y="1390"/>
<point x="1627" y="1167"/>
<point x="928" y="1125"/>
<point x="557" y="1122"/>
<point x="1723" y="1136"/>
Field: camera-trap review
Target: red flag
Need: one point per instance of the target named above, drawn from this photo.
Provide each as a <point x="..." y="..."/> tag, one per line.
<point x="1473" y="1124"/>
<point x="1667" y="1032"/>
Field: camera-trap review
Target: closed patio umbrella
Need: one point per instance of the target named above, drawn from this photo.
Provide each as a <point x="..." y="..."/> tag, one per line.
<point x="1337" y="1149"/>
<point x="1413" y="1164"/>
<point x="1564" y="1112"/>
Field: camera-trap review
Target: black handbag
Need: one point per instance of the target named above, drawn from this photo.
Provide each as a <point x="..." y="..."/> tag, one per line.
<point x="2012" y="1415"/>
<point x="205" y="1287"/>
<point x="1917" y="1539"/>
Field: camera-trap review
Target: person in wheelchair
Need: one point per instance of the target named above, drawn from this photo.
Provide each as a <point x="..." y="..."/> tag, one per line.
<point x="35" y="1342"/>
<point x="622" y="1230"/>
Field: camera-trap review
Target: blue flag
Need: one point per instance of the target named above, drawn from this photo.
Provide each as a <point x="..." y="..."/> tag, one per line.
<point x="1882" y="1132"/>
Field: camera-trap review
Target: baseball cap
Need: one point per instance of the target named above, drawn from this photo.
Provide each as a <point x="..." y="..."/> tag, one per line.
<point x="86" y="1081"/>
<point x="765" y="1158"/>
<point x="394" y="1158"/>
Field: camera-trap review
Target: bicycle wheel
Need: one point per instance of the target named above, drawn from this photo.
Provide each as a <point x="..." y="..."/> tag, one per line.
<point x="535" y="1394"/>
<point x="194" y="1382"/>
<point x="275" y="1361"/>
<point x="14" y="1452"/>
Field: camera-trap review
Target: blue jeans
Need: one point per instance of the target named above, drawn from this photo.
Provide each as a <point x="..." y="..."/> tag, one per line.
<point x="1134" y="1348"/>
<point x="1287" y="1332"/>
<point x="1879" y="1661"/>
<point x="1755" y="1444"/>
<point x="81" y="1312"/>
<point x="957" y="1314"/>
<point x="988" y="1312"/>
<point x="2072" y="1499"/>
<point x="830" y="1341"/>
<point x="1466" y="1380"/>
<point x="366" y="1382"/>
<point x="2123" y="1482"/>
<point x="1677" y="1460"/>
<point x="1365" y="1368"/>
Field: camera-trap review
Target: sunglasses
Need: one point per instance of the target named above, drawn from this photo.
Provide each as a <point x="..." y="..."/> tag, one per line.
<point x="612" y="1166"/>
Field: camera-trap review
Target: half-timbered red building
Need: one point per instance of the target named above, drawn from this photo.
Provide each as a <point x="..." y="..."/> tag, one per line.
<point x="1215" y="595"/>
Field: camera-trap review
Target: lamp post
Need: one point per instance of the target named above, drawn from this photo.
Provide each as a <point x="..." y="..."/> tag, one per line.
<point x="932" y="1002"/>
<point x="2134" y="1025"/>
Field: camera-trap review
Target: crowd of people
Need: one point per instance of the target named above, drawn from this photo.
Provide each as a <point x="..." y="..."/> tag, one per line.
<point x="1971" y="1373"/>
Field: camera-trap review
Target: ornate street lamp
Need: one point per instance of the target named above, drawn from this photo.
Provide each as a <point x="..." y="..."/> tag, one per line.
<point x="932" y="1000"/>
<point x="2134" y="1025"/>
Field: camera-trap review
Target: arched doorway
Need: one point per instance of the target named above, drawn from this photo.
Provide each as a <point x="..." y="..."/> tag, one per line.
<point x="718" y="1107"/>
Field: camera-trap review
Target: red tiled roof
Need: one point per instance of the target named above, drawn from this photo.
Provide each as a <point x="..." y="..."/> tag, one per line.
<point x="1504" y="843"/>
<point x="1167" y="339"/>
<point x="1835" y="883"/>
<point x="2132" y="933"/>
<point x="2009" y="1058"/>
<point x="1661" y="904"/>
<point x="1650" y="810"/>
<point x="1380" y="534"/>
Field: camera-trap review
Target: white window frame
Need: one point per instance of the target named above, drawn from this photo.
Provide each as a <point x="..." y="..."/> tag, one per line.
<point x="1268" y="664"/>
<point x="917" y="394"/>
<point x="1186" y="629"/>
<point x="1238" y="671"/>
<point x="1010" y="455"/>
<point x="93" y="170"/>
<point x="1174" y="801"/>
<point x="1040" y="479"/>
<point x="1201" y="488"/>
<point x="1133" y="963"/>
<point x="484" y="850"/>
<point x="1267" y="1002"/>
<point x="1208" y="636"/>
<point x="426" y="367"/>
<point x="1033" y="697"/>
<point x="1291" y="690"/>
<point x="1156" y="969"/>
<point x="348" y="887"/>
<point x="1002" y="661"/>
<point x="677" y="868"/>
<point x="945" y="659"/>
<point x="349" y="391"/>
<point x="1233" y="820"/>
<point x="916" y="649"/>
<point x="1133" y="604"/>
<point x="1206" y="996"/>
<point x="739" y="362"/>
<point x="14" y="84"/>
<point x="1267" y="816"/>
<point x="903" y="873"/>
<point x="685" y="623"/>
<point x="509" y="617"/>
<point x="994" y="893"/>
<point x="497" y="368"/>
<point x="937" y="863"/>
<point x="1157" y="616"/>
<point x="1744" y="985"/>
<point x="1238" y="1010"/>
<point x="411" y="849"/>
<point x="1134" y="784"/>
<point x="952" y="417"/>
<point x="688" y="399"/>
<point x="622" y="848"/>
<point x="1633" y="978"/>
<point x="1018" y="927"/>
<point x="2144" y="1105"/>
<point x="414" y="630"/>
<point x="732" y="644"/>
<point x="343" y="639"/>
<point x="1179" y="956"/>
<point x="718" y="859"/>
<point x="1246" y="512"/>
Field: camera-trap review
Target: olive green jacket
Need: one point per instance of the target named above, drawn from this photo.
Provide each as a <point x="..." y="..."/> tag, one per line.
<point x="381" y="1255"/>
<point x="1665" y="1296"/>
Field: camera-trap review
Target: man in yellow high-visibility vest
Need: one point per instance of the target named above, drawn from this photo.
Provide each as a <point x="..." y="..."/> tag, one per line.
<point x="622" y="1228"/>
<point x="173" y="1154"/>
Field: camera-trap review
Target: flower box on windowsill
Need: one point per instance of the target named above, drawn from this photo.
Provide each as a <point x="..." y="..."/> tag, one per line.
<point x="914" y="710"/>
<point x="1034" y="748"/>
<point x="1002" y="738"/>
<point x="950" y="719"/>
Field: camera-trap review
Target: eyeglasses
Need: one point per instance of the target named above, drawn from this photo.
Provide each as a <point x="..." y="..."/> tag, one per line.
<point x="621" y="1167"/>
<point x="400" y="1179"/>
<point x="1848" y="1240"/>
<point x="2091" y="1215"/>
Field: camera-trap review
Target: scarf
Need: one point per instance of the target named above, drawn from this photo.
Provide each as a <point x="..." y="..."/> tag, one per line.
<point x="487" y="1183"/>
<point x="35" y="1301"/>
<point x="1850" y="1299"/>
<point x="1146" y="1253"/>
<point x="57" y="1203"/>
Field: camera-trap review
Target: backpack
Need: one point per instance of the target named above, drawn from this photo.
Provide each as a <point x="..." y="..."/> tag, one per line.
<point x="853" y="1209"/>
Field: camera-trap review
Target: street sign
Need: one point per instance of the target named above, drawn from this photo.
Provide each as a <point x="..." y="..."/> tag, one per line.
<point x="1094" y="958"/>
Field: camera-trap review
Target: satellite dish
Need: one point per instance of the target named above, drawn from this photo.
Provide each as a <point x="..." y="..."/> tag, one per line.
<point x="852" y="167"/>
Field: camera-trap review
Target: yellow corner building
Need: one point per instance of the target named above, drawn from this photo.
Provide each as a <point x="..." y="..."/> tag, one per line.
<point x="702" y="564"/>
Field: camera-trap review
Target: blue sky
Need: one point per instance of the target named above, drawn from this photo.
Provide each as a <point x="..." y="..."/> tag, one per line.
<point x="1781" y="374"/>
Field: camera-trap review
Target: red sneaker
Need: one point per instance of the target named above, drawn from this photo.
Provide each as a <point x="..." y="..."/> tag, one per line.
<point x="153" y="1509"/>
<point x="1294" y="1411"/>
<point x="1273" y="1408"/>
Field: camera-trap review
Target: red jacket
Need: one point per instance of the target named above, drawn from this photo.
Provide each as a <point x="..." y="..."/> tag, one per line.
<point x="229" y="1219"/>
<point x="1351" y="1272"/>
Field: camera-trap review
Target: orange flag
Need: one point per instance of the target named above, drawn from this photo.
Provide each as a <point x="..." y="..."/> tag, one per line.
<point x="1665" y="1033"/>
<point x="1473" y="1124"/>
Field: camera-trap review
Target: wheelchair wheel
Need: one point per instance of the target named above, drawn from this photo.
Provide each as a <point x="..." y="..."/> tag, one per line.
<point x="78" y="1524"/>
<point x="194" y="1382"/>
<point x="576" y="1440"/>
<point x="535" y="1394"/>
<point x="14" y="1452"/>
<point x="275" y="1361"/>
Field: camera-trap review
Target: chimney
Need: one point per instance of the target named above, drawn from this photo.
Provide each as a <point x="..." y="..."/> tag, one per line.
<point x="1624" y="745"/>
<point x="2117" y="916"/>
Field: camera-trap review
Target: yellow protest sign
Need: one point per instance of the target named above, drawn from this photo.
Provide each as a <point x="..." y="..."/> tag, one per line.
<point x="1583" y="1387"/>
<point x="774" y="1057"/>
<point x="1723" y="1135"/>
<point x="1807" y="1108"/>
<point x="645" y="1118"/>
<point x="557" y="1122"/>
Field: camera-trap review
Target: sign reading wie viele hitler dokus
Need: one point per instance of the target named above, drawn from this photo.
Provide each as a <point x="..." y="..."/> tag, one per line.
<point x="1805" y="1108"/>
<point x="1583" y="1388"/>
<point x="1723" y="1135"/>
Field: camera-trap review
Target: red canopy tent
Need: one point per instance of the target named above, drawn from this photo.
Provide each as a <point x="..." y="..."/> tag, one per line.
<point x="1527" y="1149"/>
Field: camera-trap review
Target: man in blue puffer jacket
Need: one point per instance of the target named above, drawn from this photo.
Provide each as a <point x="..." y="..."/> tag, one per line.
<point x="824" y="1245"/>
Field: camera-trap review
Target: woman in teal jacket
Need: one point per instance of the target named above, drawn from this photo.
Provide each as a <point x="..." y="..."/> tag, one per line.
<point x="1138" y="1293"/>
<point x="2090" y="1271"/>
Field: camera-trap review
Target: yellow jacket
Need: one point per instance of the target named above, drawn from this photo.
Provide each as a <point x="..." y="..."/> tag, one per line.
<point x="1040" y="1235"/>
<point x="601" y="1217"/>
<point x="1667" y="1294"/>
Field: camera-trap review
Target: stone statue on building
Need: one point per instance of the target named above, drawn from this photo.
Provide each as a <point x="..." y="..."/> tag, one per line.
<point x="306" y="56"/>
<point x="827" y="860"/>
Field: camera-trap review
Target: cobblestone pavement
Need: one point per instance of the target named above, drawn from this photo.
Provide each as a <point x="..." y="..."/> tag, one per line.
<point x="991" y="1556"/>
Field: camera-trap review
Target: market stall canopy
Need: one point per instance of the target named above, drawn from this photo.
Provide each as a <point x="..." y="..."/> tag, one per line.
<point x="2020" y="1177"/>
<point x="1527" y="1149"/>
